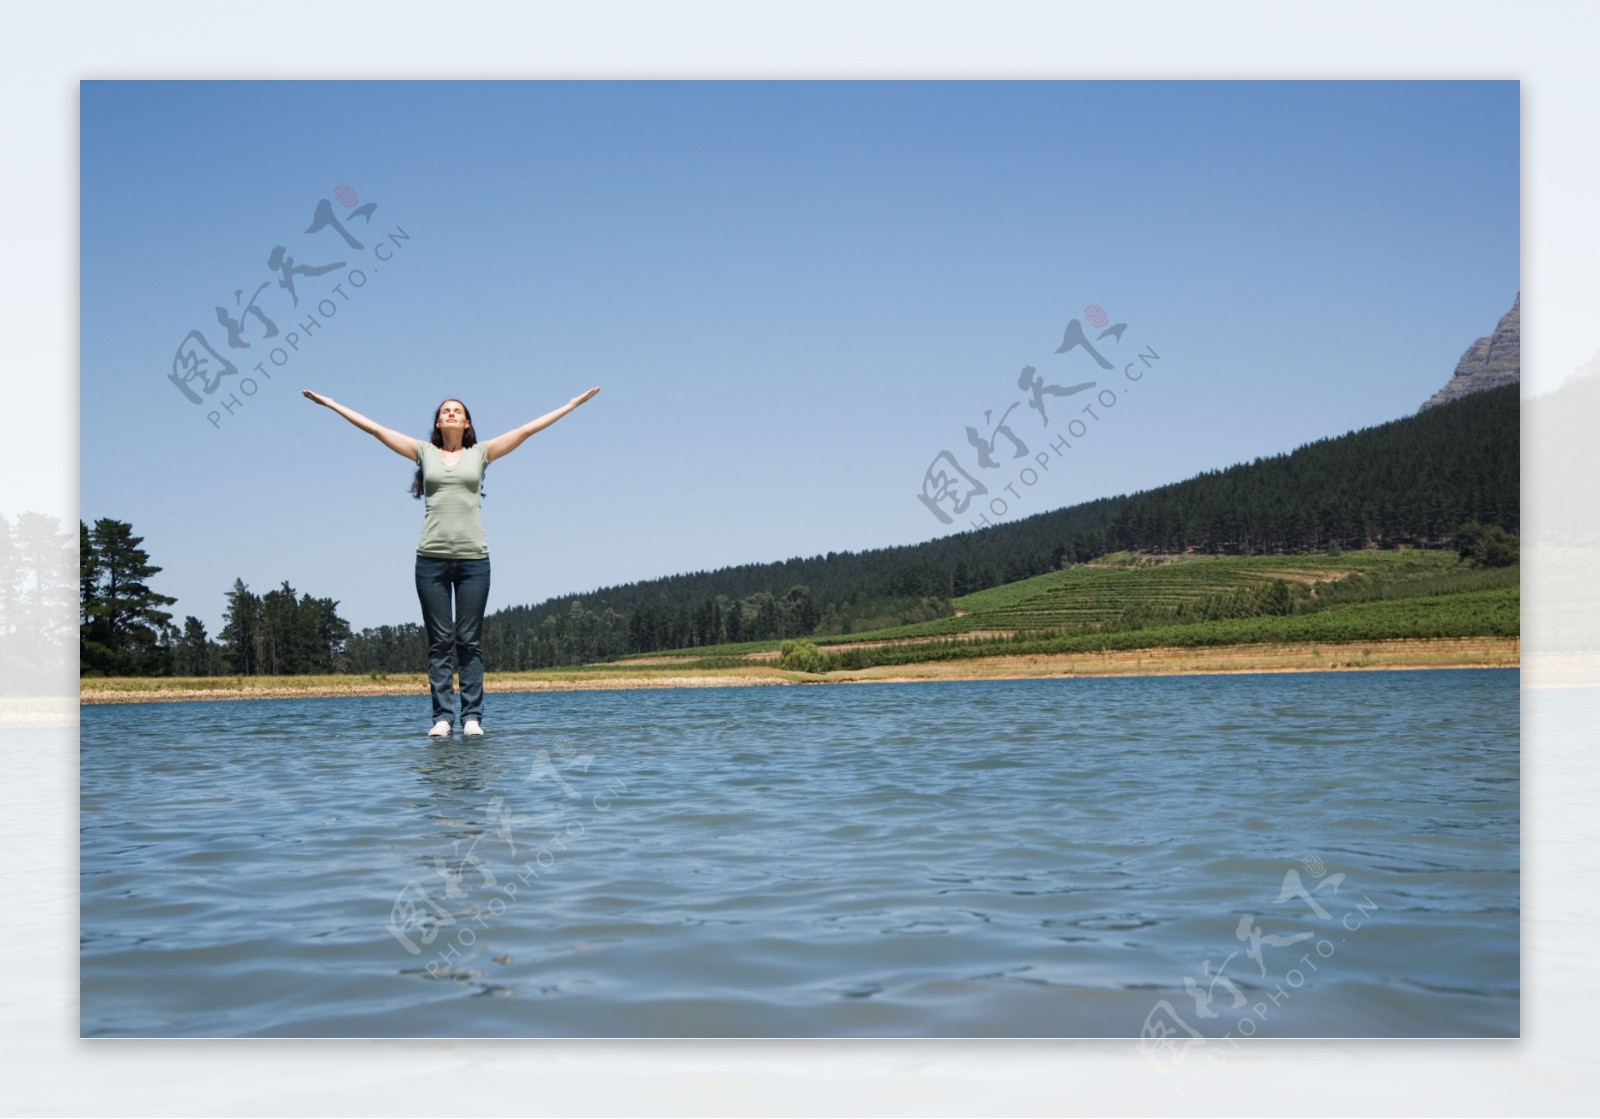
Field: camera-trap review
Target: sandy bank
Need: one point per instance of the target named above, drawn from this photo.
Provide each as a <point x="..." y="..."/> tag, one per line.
<point x="1477" y="652"/>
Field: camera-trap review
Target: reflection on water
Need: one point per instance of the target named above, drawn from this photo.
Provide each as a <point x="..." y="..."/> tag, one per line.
<point x="1321" y="854"/>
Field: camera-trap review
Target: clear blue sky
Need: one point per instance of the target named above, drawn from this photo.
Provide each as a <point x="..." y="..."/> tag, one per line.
<point x="793" y="295"/>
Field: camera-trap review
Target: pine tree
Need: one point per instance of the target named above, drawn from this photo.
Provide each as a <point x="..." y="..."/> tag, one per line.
<point x="240" y="624"/>
<point x="192" y="656"/>
<point x="123" y="614"/>
<point x="94" y="648"/>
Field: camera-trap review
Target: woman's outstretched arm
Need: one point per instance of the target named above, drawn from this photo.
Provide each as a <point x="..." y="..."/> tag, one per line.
<point x="504" y="444"/>
<point x="404" y="445"/>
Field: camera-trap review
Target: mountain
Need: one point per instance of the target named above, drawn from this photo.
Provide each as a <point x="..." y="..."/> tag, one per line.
<point x="1490" y="362"/>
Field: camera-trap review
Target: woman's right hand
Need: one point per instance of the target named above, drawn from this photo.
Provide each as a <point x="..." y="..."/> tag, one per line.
<point x="403" y="445"/>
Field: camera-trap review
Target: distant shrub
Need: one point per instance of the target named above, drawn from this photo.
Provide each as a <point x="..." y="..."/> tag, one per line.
<point x="803" y="656"/>
<point x="1486" y="545"/>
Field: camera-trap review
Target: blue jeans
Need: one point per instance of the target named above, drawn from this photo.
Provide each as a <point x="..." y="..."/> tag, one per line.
<point x="468" y="581"/>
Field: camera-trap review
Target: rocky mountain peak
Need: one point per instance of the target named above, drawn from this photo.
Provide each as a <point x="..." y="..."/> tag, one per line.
<point x="1491" y="361"/>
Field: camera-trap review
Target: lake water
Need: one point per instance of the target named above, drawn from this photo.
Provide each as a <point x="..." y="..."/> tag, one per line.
<point x="1187" y="858"/>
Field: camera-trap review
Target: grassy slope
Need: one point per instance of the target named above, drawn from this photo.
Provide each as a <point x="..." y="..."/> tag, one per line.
<point x="1414" y="594"/>
<point x="1493" y="613"/>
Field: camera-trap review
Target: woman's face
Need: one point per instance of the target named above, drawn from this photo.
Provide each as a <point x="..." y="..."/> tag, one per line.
<point x="452" y="416"/>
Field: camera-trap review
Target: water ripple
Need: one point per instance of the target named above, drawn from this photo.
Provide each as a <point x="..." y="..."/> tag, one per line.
<point x="1039" y="858"/>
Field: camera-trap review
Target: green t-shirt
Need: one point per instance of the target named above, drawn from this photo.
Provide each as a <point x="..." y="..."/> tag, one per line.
<point x="452" y="527"/>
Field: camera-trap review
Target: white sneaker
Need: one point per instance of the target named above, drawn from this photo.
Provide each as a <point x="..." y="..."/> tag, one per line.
<point x="471" y="729"/>
<point x="441" y="729"/>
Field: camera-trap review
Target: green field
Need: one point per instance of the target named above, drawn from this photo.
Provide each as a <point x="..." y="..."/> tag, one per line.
<point x="1100" y="592"/>
<point x="1127" y="601"/>
<point x="1493" y="613"/>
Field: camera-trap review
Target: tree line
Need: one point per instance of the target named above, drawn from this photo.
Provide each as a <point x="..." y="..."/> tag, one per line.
<point x="123" y="629"/>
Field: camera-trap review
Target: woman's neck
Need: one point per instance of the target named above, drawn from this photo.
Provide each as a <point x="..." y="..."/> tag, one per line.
<point x="451" y="445"/>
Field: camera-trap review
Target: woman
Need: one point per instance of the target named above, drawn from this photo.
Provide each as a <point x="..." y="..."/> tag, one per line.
<point x="452" y="555"/>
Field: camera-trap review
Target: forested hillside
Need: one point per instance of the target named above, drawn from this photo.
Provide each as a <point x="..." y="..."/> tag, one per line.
<point x="1412" y="482"/>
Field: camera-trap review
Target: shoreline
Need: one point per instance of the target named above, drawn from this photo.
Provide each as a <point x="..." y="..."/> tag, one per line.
<point x="1398" y="655"/>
